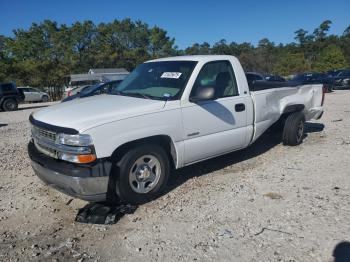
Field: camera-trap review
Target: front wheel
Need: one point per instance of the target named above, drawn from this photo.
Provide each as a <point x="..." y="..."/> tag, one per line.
<point x="293" y="131"/>
<point x="143" y="174"/>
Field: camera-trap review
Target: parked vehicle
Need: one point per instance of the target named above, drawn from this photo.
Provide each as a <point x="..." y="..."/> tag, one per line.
<point x="10" y="97"/>
<point x="274" y="78"/>
<point x="253" y="76"/>
<point x="77" y="82"/>
<point x="342" y="80"/>
<point x="34" y="95"/>
<point x="168" y="113"/>
<point x="98" y="89"/>
<point x="313" y="78"/>
<point x="333" y="73"/>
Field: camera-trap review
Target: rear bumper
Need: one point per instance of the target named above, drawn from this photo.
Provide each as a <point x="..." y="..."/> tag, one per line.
<point x="87" y="182"/>
<point x="314" y="113"/>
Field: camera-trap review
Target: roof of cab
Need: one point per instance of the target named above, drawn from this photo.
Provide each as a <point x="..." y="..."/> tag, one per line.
<point x="198" y="58"/>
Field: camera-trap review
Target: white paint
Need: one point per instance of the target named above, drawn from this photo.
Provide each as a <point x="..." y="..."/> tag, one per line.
<point x="198" y="131"/>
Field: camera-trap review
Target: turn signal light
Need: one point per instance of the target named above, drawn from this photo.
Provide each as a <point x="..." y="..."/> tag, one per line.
<point x="86" y="158"/>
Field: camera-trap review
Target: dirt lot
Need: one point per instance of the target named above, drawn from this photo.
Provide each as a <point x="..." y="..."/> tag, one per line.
<point x="266" y="203"/>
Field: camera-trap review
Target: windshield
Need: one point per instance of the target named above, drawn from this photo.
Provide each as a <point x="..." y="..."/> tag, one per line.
<point x="163" y="80"/>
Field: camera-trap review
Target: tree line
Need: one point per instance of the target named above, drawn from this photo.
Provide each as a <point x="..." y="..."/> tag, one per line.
<point x="44" y="54"/>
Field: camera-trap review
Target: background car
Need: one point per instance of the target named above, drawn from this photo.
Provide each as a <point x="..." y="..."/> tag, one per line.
<point x="101" y="88"/>
<point x="313" y="78"/>
<point x="342" y="80"/>
<point x="34" y="95"/>
<point x="71" y="91"/>
<point x="254" y="76"/>
<point x="10" y="97"/>
<point x="274" y="78"/>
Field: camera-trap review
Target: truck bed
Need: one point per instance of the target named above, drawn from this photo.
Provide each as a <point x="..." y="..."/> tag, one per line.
<point x="263" y="85"/>
<point x="271" y="102"/>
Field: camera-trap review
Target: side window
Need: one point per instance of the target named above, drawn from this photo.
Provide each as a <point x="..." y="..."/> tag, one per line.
<point x="220" y="76"/>
<point x="7" y="88"/>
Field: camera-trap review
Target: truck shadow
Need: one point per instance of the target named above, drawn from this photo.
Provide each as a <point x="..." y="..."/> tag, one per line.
<point x="267" y="141"/>
<point x="1" y="125"/>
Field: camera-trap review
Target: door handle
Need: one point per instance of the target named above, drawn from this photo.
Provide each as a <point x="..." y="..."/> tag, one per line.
<point x="239" y="107"/>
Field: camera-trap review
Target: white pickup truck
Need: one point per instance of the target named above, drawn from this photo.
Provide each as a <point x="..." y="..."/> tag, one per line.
<point x="167" y="114"/>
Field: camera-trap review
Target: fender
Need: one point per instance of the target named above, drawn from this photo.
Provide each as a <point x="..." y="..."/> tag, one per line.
<point x="111" y="136"/>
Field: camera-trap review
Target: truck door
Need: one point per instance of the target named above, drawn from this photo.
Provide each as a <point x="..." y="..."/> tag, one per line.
<point x="36" y="95"/>
<point x="216" y="126"/>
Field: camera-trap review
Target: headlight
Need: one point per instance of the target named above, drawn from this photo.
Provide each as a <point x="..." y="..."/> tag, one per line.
<point x="80" y="148"/>
<point x="74" y="140"/>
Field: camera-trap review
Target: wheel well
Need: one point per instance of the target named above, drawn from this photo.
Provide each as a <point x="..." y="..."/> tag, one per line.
<point x="162" y="140"/>
<point x="293" y="108"/>
<point x="9" y="98"/>
<point x="287" y="111"/>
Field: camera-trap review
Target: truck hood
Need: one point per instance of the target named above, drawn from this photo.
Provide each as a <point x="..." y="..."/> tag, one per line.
<point x="83" y="114"/>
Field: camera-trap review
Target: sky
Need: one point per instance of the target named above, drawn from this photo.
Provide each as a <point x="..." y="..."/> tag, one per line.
<point x="188" y="21"/>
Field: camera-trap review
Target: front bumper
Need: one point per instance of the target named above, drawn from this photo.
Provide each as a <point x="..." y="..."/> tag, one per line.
<point x="88" y="182"/>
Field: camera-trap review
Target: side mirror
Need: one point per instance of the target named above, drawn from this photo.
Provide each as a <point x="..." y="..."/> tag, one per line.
<point x="203" y="94"/>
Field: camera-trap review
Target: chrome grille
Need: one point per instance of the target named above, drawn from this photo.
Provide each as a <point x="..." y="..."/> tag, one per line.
<point x="43" y="133"/>
<point x="42" y="139"/>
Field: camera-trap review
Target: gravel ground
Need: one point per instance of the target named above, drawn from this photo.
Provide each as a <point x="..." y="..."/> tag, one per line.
<point x="265" y="203"/>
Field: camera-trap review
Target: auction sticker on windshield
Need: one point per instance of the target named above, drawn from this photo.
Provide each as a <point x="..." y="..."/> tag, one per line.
<point x="174" y="75"/>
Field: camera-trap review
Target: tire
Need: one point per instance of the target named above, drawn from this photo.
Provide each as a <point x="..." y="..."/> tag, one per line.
<point x="140" y="182"/>
<point x="45" y="99"/>
<point x="293" y="131"/>
<point x="10" y="104"/>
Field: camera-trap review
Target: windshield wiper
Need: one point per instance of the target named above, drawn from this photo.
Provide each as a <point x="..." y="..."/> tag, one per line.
<point x="141" y="95"/>
<point x="135" y="94"/>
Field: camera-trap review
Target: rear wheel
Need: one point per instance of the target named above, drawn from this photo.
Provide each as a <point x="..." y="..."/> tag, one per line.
<point x="10" y="105"/>
<point x="293" y="131"/>
<point x="143" y="174"/>
<point x="45" y="99"/>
